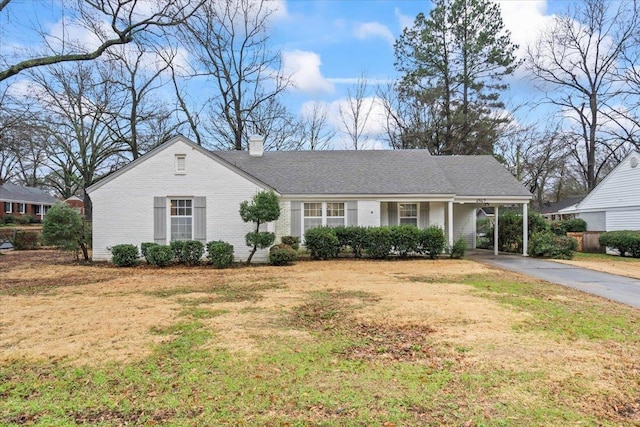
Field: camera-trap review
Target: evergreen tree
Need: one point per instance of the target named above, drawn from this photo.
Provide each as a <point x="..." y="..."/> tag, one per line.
<point x="456" y="59"/>
<point x="263" y="208"/>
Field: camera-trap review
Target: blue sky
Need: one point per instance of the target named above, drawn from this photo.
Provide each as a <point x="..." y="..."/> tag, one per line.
<point x="326" y="44"/>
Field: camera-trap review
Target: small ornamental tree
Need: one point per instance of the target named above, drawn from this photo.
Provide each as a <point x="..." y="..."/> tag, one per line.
<point x="63" y="227"/>
<point x="264" y="207"/>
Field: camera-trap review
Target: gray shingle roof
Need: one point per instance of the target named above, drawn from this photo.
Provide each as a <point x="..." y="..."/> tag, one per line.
<point x="17" y="193"/>
<point x="377" y="172"/>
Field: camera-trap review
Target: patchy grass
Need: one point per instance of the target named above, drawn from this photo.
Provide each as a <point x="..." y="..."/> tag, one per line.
<point x="346" y="343"/>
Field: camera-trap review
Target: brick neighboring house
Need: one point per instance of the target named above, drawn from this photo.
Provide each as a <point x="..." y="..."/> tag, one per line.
<point x="17" y="201"/>
<point x="76" y="203"/>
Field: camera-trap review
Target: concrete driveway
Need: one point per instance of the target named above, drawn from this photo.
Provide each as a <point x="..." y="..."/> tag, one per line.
<point x="610" y="286"/>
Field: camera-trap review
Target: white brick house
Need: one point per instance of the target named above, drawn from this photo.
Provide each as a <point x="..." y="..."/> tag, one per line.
<point x="181" y="191"/>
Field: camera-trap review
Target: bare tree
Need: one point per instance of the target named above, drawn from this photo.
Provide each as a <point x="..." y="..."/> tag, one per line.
<point x="315" y="133"/>
<point x="145" y="120"/>
<point x="355" y="111"/>
<point x="81" y="113"/>
<point x="112" y="22"/>
<point x="230" y="43"/>
<point x="575" y="63"/>
<point x="276" y="125"/>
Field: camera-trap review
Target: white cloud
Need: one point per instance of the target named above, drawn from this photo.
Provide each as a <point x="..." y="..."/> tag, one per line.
<point x="374" y="30"/>
<point x="304" y="69"/>
<point x="525" y="20"/>
<point x="405" y="21"/>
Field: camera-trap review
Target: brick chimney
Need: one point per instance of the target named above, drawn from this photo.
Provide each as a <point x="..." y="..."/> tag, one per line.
<point x="256" y="146"/>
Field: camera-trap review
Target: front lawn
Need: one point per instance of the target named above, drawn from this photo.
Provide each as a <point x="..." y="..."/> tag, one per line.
<point x="623" y="266"/>
<point x="344" y="343"/>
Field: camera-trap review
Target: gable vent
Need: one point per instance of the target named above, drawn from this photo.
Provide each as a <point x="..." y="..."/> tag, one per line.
<point x="181" y="163"/>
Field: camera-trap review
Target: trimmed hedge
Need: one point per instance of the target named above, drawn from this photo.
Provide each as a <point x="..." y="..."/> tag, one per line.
<point x="187" y="251"/>
<point x="378" y="244"/>
<point x="322" y="242"/>
<point x="546" y="244"/>
<point x="432" y="241"/>
<point x="293" y="241"/>
<point x="624" y="241"/>
<point x="159" y="255"/>
<point x="353" y="238"/>
<point x="220" y="254"/>
<point x="282" y="254"/>
<point x="144" y="249"/>
<point x="125" y="255"/>
<point x="405" y="239"/>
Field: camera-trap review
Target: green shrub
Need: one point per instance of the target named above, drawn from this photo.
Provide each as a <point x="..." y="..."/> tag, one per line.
<point x="220" y="254"/>
<point x="546" y="244"/>
<point x="9" y="219"/>
<point x="24" y="240"/>
<point x="352" y="237"/>
<point x="458" y="249"/>
<point x="405" y="239"/>
<point x="293" y="241"/>
<point x="322" y="242"/>
<point x="378" y="243"/>
<point x="144" y="249"/>
<point x="25" y="219"/>
<point x="574" y="225"/>
<point x="192" y="251"/>
<point x="63" y="227"/>
<point x="510" y="229"/>
<point x="623" y="241"/>
<point x="432" y="241"/>
<point x="176" y="246"/>
<point x="125" y="255"/>
<point x="282" y="254"/>
<point x="159" y="255"/>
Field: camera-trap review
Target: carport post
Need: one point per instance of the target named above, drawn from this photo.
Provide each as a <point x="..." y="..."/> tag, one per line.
<point x="525" y="230"/>
<point x="495" y="230"/>
<point x="450" y="223"/>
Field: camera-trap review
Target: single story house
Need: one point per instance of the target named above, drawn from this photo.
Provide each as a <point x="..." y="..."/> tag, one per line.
<point x="181" y="191"/>
<point x="17" y="201"/>
<point x="614" y="204"/>
<point x="554" y="211"/>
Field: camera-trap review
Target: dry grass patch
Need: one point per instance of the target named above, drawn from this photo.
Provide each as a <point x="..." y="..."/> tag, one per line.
<point x="440" y="342"/>
<point x="628" y="267"/>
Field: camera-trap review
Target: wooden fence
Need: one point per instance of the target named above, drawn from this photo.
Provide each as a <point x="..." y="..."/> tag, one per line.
<point x="588" y="241"/>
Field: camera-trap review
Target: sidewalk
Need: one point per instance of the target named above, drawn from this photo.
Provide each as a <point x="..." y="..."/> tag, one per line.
<point x="616" y="288"/>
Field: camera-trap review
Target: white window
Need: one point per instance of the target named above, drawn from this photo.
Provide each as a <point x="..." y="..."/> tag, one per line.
<point x="335" y="214"/>
<point x="8" y="207"/>
<point x="408" y="213"/>
<point x="181" y="219"/>
<point x="316" y="214"/>
<point x="181" y="163"/>
<point x="22" y="208"/>
<point x="36" y="209"/>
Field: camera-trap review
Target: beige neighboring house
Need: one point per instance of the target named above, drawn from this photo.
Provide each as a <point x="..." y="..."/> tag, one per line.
<point x="181" y="191"/>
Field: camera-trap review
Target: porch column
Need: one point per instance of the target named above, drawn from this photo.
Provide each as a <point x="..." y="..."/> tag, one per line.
<point x="495" y="230"/>
<point x="450" y="223"/>
<point x="525" y="230"/>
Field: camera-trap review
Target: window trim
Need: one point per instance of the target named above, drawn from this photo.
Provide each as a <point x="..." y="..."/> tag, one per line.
<point x="10" y="205"/>
<point x="417" y="217"/>
<point x="324" y="214"/>
<point x="170" y="216"/>
<point x="22" y="208"/>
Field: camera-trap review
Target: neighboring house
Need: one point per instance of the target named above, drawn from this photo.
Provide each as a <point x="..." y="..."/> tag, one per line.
<point x="615" y="202"/>
<point x="181" y="191"/>
<point x="555" y="211"/>
<point x="485" y="212"/>
<point x="17" y="201"/>
<point x="76" y="203"/>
